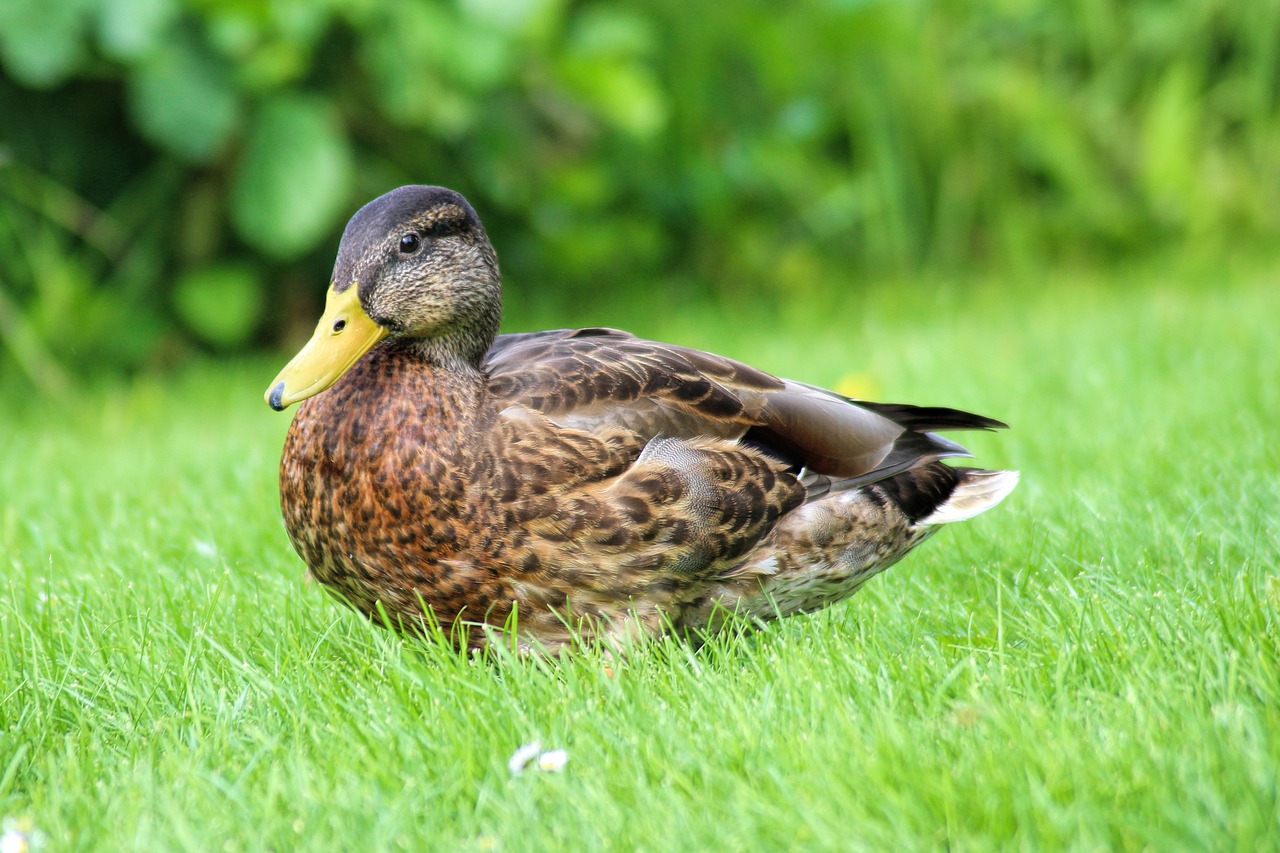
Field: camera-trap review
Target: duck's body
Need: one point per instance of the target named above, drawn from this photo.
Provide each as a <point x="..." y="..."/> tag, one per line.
<point x="585" y="481"/>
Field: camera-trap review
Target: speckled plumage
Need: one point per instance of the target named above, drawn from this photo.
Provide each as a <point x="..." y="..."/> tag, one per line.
<point x="589" y="481"/>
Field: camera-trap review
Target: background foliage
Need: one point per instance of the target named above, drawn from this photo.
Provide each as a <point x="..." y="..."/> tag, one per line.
<point x="176" y="172"/>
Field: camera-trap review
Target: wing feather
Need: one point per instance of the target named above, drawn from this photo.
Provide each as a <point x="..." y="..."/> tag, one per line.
<point x="598" y="378"/>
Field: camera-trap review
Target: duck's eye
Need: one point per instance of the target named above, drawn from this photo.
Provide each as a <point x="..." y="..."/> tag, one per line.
<point x="409" y="243"/>
<point x="339" y="326"/>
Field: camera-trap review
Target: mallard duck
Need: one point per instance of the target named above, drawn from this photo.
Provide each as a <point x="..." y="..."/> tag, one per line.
<point x="580" y="483"/>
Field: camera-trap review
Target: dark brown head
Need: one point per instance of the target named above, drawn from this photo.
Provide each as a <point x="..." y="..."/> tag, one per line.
<point x="414" y="264"/>
<point x="424" y="267"/>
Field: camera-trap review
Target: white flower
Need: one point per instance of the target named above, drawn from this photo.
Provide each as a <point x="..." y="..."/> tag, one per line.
<point x="551" y="761"/>
<point x="13" y="841"/>
<point x="19" y="836"/>
<point x="518" y="761"/>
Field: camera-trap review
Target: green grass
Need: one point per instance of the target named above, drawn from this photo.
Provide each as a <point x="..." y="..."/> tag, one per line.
<point x="1093" y="665"/>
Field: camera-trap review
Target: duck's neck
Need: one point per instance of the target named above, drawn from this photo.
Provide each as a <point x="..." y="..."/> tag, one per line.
<point x="460" y="353"/>
<point x="461" y="348"/>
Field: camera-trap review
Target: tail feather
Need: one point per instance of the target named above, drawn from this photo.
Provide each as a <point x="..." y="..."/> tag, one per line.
<point x="912" y="451"/>
<point x="935" y="493"/>
<point x="825" y="550"/>
<point x="977" y="492"/>
<point x="931" y="418"/>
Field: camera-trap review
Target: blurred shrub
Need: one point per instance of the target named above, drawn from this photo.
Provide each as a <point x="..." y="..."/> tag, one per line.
<point x="166" y="161"/>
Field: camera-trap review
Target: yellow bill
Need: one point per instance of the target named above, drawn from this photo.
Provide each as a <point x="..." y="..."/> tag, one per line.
<point x="344" y="334"/>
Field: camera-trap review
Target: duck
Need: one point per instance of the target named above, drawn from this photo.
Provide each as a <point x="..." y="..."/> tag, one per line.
<point x="553" y="488"/>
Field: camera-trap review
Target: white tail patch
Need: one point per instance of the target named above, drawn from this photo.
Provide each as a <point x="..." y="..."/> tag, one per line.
<point x="977" y="493"/>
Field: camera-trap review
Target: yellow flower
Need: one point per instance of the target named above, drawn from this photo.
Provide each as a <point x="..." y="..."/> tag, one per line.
<point x="859" y="386"/>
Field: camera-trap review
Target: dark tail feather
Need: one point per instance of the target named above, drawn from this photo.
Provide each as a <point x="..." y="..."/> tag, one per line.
<point x="931" y="418"/>
<point x="912" y="449"/>
<point x="937" y="494"/>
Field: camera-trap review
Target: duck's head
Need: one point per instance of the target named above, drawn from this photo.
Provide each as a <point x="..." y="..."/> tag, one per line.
<point x="413" y="264"/>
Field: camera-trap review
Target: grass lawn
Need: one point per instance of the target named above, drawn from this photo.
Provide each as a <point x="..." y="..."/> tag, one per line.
<point x="1095" y="664"/>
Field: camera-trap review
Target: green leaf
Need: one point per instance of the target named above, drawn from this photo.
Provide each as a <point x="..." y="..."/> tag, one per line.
<point x="127" y="29"/>
<point x="624" y="94"/>
<point x="409" y="54"/>
<point x="605" y="68"/>
<point x="183" y="98"/>
<point x="41" y="42"/>
<point x="293" y="182"/>
<point x="220" y="303"/>
<point x="1170" y="126"/>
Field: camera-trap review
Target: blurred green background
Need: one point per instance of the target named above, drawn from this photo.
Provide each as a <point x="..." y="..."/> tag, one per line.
<point x="174" y="174"/>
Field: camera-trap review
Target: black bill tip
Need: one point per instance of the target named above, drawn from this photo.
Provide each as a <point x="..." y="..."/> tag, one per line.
<point x="275" y="400"/>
